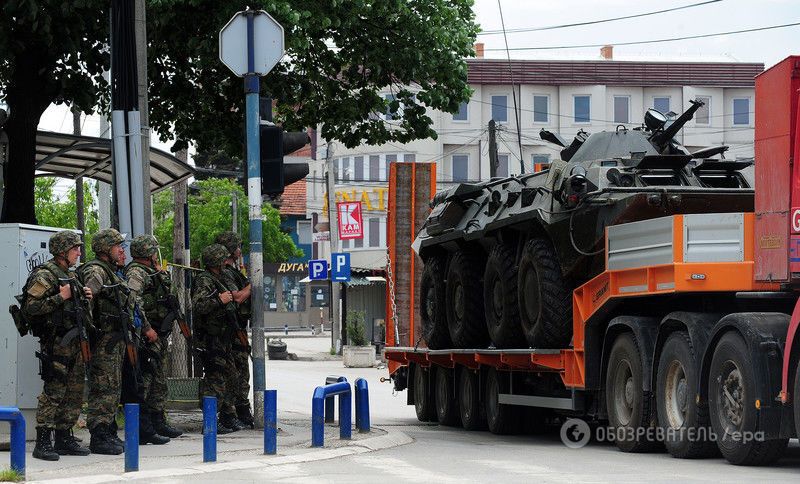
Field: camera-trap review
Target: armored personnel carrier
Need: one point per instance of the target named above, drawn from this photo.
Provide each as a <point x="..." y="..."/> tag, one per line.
<point x="502" y="257"/>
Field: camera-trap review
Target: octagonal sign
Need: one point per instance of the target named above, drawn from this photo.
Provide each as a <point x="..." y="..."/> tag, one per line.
<point x="267" y="43"/>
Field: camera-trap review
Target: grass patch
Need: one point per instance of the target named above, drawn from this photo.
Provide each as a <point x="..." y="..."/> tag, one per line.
<point x="10" y="475"/>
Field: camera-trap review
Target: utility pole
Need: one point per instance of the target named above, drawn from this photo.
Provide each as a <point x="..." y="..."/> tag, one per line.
<point x="492" y="148"/>
<point x="336" y="245"/>
<point x="140" y="25"/>
<point x="179" y="355"/>
<point x="79" y="211"/>
<point x="235" y="212"/>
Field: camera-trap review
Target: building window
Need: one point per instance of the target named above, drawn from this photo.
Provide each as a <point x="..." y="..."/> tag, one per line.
<point x="460" y="168"/>
<point x="502" y="166"/>
<point x="661" y="104"/>
<point x="358" y="243"/>
<point x="270" y="296"/>
<point x="500" y="108"/>
<point x="389" y="114"/>
<point x="304" y="232"/>
<point x="374" y="227"/>
<point x="410" y="157"/>
<point x="375" y="168"/>
<point x="463" y="112"/>
<point x="741" y="111"/>
<point x="358" y="173"/>
<point x="294" y="294"/>
<point x="703" y="115"/>
<point x="622" y="109"/>
<point x="541" y="107"/>
<point x="539" y="162"/>
<point x="582" y="109"/>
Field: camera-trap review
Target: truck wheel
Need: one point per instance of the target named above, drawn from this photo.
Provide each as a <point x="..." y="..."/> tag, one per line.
<point x="731" y="400"/>
<point x="500" y="299"/>
<point x="545" y="300"/>
<point x="686" y="425"/>
<point x="629" y="414"/>
<point x="432" y="297"/>
<point x="796" y="398"/>
<point x="423" y="397"/>
<point x="469" y="400"/>
<point x="501" y="419"/>
<point x="446" y="402"/>
<point x="465" y="301"/>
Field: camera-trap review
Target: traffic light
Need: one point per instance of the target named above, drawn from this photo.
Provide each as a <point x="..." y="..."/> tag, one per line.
<point x="275" y="143"/>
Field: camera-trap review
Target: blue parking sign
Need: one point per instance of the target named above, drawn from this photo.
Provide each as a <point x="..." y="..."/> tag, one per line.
<point x="340" y="266"/>
<point x="318" y="269"/>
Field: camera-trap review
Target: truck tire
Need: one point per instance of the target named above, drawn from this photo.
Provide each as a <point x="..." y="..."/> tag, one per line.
<point x="500" y="299"/>
<point x="501" y="419"/>
<point x="629" y="409"/>
<point x="731" y="401"/>
<point x="545" y="299"/>
<point x="432" y="306"/>
<point x="685" y="424"/>
<point x="465" y="301"/>
<point x="446" y="401"/>
<point x="796" y="398"/>
<point x="424" y="403"/>
<point x="469" y="400"/>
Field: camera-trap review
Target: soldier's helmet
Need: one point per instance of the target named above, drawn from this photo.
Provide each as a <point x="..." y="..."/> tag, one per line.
<point x="144" y="246"/>
<point x="103" y="241"/>
<point x="63" y="241"/>
<point x="214" y="255"/>
<point x="231" y="241"/>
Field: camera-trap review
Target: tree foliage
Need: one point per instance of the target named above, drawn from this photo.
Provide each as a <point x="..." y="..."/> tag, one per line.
<point x="210" y="214"/>
<point x="61" y="213"/>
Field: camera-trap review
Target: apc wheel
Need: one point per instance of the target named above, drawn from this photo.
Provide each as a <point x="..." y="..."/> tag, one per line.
<point x="500" y="299"/>
<point x="501" y="419"/>
<point x="423" y="397"/>
<point x="545" y="300"/>
<point x="685" y="424"/>
<point x="432" y="307"/>
<point x="731" y="400"/>
<point x="465" y="301"/>
<point x="469" y="400"/>
<point x="628" y="408"/>
<point x="446" y="402"/>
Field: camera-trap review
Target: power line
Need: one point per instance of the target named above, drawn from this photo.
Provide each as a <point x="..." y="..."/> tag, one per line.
<point x="654" y="41"/>
<point x="593" y="22"/>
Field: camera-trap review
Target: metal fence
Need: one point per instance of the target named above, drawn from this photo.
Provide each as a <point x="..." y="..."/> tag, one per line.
<point x="183" y="374"/>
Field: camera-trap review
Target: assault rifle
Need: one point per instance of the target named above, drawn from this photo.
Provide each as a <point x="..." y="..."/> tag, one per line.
<point x="232" y="318"/>
<point x="80" y="302"/>
<point x="125" y="321"/>
<point x="175" y="314"/>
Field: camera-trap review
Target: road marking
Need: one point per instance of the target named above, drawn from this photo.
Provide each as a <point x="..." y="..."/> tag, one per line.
<point x="403" y="470"/>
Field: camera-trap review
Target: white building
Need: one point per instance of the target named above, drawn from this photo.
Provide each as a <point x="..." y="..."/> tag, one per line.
<point x="561" y="96"/>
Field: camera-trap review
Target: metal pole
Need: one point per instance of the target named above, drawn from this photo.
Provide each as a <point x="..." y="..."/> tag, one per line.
<point x="79" y="210"/>
<point x="256" y="269"/>
<point x="131" y="437"/>
<point x="335" y="244"/>
<point x="140" y="27"/>
<point x="270" y="422"/>
<point x="209" y="429"/>
<point x="235" y="212"/>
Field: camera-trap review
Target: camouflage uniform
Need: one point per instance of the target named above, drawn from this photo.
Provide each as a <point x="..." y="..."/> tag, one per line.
<point x="213" y="334"/>
<point x="241" y="354"/>
<point x="108" y="350"/>
<point x="62" y="364"/>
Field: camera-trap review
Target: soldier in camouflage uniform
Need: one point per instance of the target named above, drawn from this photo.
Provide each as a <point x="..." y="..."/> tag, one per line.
<point x="111" y="303"/>
<point x="62" y="364"/>
<point x="241" y="354"/>
<point x="214" y="310"/>
<point x="151" y="288"/>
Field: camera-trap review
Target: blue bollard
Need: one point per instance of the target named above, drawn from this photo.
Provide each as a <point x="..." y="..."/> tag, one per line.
<point x="131" y="437"/>
<point x="345" y="416"/>
<point x="270" y="422"/>
<point x="329" y="401"/>
<point x="209" y="429"/>
<point x="13" y="416"/>
<point x="318" y="411"/>
<point x="362" y="405"/>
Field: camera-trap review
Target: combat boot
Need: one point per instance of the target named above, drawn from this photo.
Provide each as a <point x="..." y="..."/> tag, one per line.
<point x="101" y="441"/>
<point x="147" y="434"/>
<point x="228" y="424"/>
<point x="67" y="445"/>
<point x="163" y="428"/>
<point x="44" y="446"/>
<point x="112" y="434"/>
<point x="244" y="416"/>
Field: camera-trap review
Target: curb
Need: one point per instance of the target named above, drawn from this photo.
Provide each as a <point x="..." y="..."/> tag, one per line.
<point x="392" y="438"/>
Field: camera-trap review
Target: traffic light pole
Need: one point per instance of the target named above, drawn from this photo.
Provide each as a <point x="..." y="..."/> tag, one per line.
<point x="256" y="268"/>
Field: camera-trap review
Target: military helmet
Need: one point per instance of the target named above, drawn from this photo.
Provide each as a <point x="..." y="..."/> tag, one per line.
<point x="214" y="255"/>
<point x="231" y="241"/>
<point x="103" y="241"/>
<point x="144" y="246"/>
<point x="63" y="241"/>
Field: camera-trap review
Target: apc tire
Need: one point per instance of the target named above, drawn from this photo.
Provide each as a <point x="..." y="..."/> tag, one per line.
<point x="469" y="400"/>
<point x="545" y="299"/>
<point x="501" y="419"/>
<point x="465" y="301"/>
<point x="432" y="306"/>
<point x="446" y="401"/>
<point x="500" y="299"/>
<point x="731" y="401"/>
<point x="686" y="425"/>
<point x="424" y="400"/>
<point x="629" y="409"/>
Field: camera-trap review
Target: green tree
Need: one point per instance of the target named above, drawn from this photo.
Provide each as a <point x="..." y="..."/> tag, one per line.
<point x="210" y="214"/>
<point x="53" y="212"/>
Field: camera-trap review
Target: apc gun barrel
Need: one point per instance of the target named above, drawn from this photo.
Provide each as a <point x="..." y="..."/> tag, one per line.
<point x="662" y="138"/>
